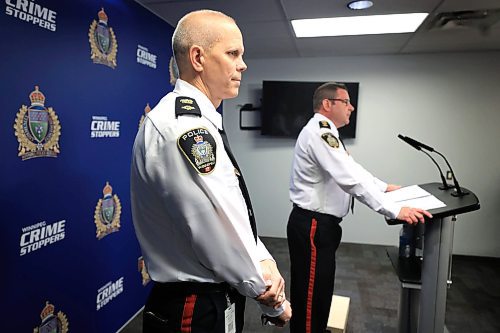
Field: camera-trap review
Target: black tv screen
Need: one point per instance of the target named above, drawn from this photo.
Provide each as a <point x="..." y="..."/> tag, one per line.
<point x="287" y="106"/>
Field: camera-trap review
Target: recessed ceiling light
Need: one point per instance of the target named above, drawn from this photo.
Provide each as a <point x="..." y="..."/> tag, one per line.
<point x="358" y="25"/>
<point x="358" y="5"/>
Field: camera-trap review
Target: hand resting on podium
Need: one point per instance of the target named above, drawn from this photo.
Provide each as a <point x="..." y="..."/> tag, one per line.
<point x="413" y="215"/>
<point x="409" y="214"/>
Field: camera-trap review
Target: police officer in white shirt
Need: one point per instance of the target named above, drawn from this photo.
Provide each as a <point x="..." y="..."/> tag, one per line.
<point x="190" y="206"/>
<point x="323" y="182"/>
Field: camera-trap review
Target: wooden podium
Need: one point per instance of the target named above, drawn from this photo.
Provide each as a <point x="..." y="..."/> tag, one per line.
<point x="424" y="282"/>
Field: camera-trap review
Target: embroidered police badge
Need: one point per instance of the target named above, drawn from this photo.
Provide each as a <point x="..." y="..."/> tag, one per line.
<point x="199" y="147"/>
<point x="324" y="124"/>
<point x="330" y="139"/>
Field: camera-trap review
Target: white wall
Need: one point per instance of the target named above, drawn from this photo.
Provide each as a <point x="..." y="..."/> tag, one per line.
<point x="449" y="101"/>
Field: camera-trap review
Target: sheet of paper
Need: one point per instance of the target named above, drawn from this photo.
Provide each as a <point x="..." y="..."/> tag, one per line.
<point x="428" y="202"/>
<point x="407" y="192"/>
<point x="415" y="196"/>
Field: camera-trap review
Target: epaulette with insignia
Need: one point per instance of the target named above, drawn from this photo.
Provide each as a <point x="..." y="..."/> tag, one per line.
<point x="330" y="139"/>
<point x="186" y="105"/>
<point x="324" y="124"/>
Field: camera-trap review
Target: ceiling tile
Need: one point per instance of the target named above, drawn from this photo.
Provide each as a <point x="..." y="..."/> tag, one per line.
<point x="267" y="32"/>
<point x="351" y="45"/>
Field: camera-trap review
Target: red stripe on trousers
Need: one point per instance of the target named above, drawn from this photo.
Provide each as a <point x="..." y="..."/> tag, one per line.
<point x="187" y="313"/>
<point x="312" y="273"/>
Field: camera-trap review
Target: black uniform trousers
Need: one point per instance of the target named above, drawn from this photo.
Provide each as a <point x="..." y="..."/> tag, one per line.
<point x="313" y="239"/>
<point x="188" y="307"/>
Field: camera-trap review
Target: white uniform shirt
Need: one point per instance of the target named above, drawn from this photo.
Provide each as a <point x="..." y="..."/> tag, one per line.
<point x="191" y="225"/>
<point x="324" y="175"/>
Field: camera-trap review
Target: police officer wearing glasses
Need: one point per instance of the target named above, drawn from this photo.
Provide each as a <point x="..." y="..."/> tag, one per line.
<point x="324" y="181"/>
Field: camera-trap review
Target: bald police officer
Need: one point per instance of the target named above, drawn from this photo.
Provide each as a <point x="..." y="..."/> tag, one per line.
<point x="191" y="210"/>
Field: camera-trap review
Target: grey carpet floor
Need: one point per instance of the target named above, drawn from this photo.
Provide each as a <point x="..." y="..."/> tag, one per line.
<point x="364" y="273"/>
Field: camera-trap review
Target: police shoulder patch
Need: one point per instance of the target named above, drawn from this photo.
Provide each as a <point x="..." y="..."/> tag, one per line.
<point x="330" y="139"/>
<point x="199" y="148"/>
<point x="186" y="105"/>
<point x="324" y="124"/>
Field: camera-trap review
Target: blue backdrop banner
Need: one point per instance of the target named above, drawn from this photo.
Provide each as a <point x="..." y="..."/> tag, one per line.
<point x="76" y="78"/>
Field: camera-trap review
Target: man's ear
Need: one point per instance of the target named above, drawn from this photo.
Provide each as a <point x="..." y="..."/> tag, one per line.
<point x="197" y="57"/>
<point x="326" y="103"/>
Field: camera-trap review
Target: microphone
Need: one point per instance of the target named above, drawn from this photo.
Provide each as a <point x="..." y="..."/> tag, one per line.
<point x="411" y="142"/>
<point x="417" y="145"/>
<point x="414" y="143"/>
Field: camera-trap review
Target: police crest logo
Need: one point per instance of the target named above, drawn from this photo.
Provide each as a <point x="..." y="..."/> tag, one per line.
<point x="173" y="71"/>
<point x="103" y="44"/>
<point x="146" y="111"/>
<point x="51" y="322"/>
<point x="107" y="213"/>
<point x="37" y="129"/>
<point x="199" y="147"/>
<point x="330" y="139"/>
<point x="141" y="266"/>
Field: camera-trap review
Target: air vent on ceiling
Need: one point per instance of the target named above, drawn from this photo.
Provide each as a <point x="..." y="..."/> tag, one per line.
<point x="482" y="20"/>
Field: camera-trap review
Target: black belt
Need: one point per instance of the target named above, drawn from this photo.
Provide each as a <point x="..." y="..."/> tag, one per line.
<point x="311" y="213"/>
<point x="185" y="288"/>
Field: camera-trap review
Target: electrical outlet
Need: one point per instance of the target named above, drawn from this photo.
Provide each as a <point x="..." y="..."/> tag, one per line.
<point x="449" y="175"/>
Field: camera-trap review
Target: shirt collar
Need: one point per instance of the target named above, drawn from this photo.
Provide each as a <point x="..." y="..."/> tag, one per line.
<point x="321" y="117"/>
<point x="206" y="107"/>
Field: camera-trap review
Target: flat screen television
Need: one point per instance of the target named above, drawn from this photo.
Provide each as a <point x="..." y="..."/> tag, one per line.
<point x="287" y="107"/>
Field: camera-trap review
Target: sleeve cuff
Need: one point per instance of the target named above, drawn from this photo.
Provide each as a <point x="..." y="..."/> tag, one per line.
<point x="393" y="209"/>
<point x="272" y="312"/>
<point x="262" y="252"/>
<point x="380" y="184"/>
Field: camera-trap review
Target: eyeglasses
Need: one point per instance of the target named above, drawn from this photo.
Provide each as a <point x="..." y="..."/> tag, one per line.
<point x="346" y="101"/>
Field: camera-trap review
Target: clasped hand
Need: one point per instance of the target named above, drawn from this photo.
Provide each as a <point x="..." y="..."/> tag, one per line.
<point x="274" y="296"/>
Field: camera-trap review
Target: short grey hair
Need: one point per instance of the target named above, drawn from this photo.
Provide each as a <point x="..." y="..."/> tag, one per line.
<point x="189" y="32"/>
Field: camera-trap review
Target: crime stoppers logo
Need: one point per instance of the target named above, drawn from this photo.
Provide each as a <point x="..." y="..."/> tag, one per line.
<point x="37" y="129"/>
<point x="103" y="44"/>
<point x="51" y="322"/>
<point x="101" y="127"/>
<point x="31" y="12"/>
<point x="145" y="57"/>
<point x="41" y="234"/>
<point x="108" y="292"/>
<point x="107" y="213"/>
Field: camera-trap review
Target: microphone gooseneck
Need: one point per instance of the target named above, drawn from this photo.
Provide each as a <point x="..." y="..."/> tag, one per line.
<point x="458" y="190"/>
<point x="418" y="146"/>
<point x="443" y="180"/>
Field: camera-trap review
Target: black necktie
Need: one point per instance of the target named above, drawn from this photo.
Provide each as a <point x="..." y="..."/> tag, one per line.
<point x="352" y="197"/>
<point x="241" y="181"/>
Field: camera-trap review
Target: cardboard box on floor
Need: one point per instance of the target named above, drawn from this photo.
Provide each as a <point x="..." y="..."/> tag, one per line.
<point x="339" y="311"/>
